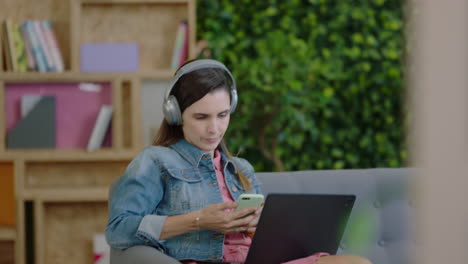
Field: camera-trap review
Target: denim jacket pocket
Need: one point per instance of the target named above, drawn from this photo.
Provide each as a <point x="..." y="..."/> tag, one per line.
<point x="184" y="191"/>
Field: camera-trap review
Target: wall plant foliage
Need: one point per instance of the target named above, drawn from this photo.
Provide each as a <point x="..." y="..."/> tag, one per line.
<point x="320" y="82"/>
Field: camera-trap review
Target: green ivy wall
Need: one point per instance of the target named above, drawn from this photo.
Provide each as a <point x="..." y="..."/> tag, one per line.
<point x="320" y="82"/>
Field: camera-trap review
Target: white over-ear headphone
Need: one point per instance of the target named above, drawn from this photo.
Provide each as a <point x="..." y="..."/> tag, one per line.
<point x="171" y="107"/>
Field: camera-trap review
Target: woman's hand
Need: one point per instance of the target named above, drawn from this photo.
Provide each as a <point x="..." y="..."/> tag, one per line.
<point x="224" y="219"/>
<point x="252" y="226"/>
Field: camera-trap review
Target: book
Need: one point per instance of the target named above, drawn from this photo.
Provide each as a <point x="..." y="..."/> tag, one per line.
<point x="8" y="41"/>
<point x="37" y="52"/>
<point x="184" y="52"/>
<point x="28" y="46"/>
<point x="40" y="34"/>
<point x="179" y="45"/>
<point x="20" y="58"/>
<point x="100" y="128"/>
<point x="109" y="57"/>
<point x="52" y="43"/>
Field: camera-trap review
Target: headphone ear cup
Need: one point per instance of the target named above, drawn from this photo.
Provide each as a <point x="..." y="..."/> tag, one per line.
<point x="233" y="99"/>
<point x="171" y="111"/>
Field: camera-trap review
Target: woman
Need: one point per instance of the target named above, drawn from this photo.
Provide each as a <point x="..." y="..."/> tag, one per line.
<point x="178" y="195"/>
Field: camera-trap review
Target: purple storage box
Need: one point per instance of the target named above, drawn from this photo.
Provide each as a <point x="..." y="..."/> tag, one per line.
<point x="109" y="57"/>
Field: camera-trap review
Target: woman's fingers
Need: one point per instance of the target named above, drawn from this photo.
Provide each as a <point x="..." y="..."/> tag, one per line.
<point x="237" y="229"/>
<point x="251" y="230"/>
<point x="220" y="217"/>
<point x="241" y="224"/>
<point x="227" y="205"/>
<point x="243" y="212"/>
<point x="259" y="210"/>
<point x="255" y="219"/>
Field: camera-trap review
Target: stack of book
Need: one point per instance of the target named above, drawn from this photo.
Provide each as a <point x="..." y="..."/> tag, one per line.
<point x="31" y="46"/>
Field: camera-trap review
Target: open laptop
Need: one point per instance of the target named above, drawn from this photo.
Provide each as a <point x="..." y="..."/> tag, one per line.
<point x="294" y="226"/>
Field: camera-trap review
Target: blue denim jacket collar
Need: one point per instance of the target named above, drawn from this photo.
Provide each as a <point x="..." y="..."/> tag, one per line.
<point x="194" y="155"/>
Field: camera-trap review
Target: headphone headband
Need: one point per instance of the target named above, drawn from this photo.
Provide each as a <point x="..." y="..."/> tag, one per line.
<point x="197" y="65"/>
<point x="171" y="107"/>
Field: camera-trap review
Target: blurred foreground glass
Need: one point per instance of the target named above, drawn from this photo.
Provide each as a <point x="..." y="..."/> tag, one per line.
<point x="438" y="97"/>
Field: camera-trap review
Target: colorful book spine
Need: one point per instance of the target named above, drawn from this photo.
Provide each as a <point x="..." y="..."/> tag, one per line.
<point x="6" y="46"/>
<point x="19" y="48"/>
<point x="175" y="62"/>
<point x="184" y="52"/>
<point x="43" y="44"/>
<point x="36" y="48"/>
<point x="11" y="61"/>
<point x="52" y="43"/>
<point x="28" y="47"/>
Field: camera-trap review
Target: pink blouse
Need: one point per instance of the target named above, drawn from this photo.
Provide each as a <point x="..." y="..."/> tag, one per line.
<point x="236" y="245"/>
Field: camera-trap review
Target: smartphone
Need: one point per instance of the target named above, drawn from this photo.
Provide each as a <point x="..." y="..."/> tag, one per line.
<point x="248" y="200"/>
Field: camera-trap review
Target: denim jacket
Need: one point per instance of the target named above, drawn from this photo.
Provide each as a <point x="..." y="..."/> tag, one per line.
<point x="167" y="181"/>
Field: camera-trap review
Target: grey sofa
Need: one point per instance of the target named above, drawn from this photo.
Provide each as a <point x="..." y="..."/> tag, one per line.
<point x="379" y="227"/>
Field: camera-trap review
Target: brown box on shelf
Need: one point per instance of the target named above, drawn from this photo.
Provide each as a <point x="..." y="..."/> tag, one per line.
<point x="7" y="195"/>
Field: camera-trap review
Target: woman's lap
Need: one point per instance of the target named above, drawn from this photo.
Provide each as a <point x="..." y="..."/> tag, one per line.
<point x="141" y="255"/>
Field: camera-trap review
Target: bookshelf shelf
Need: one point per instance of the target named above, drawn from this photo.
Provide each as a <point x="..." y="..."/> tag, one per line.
<point x="136" y="2"/>
<point x="68" y="195"/>
<point x="80" y="77"/>
<point x="66" y="190"/>
<point x="7" y="233"/>
<point x="66" y="155"/>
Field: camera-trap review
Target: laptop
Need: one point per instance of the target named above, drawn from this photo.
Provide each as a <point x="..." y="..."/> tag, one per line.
<point x="294" y="226"/>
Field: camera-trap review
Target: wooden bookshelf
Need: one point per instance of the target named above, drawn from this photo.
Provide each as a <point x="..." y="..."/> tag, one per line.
<point x="68" y="189"/>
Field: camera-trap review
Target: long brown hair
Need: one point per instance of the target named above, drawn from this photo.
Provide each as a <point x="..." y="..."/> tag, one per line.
<point x="190" y="88"/>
